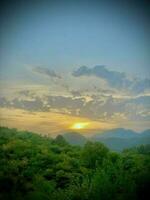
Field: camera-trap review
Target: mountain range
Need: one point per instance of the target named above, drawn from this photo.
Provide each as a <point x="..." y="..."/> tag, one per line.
<point x="116" y="139"/>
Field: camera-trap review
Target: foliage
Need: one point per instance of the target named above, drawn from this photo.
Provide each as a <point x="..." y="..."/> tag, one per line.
<point x="41" y="168"/>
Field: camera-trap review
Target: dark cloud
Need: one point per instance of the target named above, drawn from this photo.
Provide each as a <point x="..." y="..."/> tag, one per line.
<point x="30" y="105"/>
<point x="61" y="102"/>
<point x="47" y="72"/>
<point x="75" y="93"/>
<point x="24" y="92"/>
<point x="115" y="79"/>
<point x="3" y="102"/>
<point x="27" y="93"/>
<point x="49" y="102"/>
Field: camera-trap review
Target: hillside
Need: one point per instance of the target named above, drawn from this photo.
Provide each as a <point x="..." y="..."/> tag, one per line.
<point x="145" y="133"/>
<point x="74" y="138"/>
<point x="118" y="144"/>
<point x="35" y="167"/>
<point x="119" y="139"/>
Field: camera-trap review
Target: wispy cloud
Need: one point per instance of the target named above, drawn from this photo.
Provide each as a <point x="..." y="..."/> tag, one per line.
<point x="46" y="72"/>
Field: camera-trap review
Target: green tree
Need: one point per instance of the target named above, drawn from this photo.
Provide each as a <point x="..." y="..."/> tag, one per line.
<point x="93" y="154"/>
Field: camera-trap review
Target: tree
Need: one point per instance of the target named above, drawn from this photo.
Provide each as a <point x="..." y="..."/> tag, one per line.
<point x="93" y="154"/>
<point x="60" y="140"/>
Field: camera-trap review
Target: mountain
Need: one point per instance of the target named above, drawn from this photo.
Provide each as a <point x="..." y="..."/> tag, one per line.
<point x="115" y="139"/>
<point x="75" y="138"/>
<point x="145" y="133"/>
<point x="118" y="144"/>
<point x="117" y="133"/>
<point x="119" y="139"/>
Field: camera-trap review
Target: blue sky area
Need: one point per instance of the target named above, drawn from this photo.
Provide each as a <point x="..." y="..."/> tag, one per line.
<point x="67" y="34"/>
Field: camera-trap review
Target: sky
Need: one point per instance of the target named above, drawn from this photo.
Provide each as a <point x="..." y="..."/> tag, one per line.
<point x="74" y="65"/>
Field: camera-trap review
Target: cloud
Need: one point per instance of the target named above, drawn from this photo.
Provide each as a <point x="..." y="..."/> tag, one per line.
<point x="62" y="102"/>
<point x="27" y="93"/>
<point x="3" y="102"/>
<point x="118" y="80"/>
<point x="30" y="105"/>
<point x="47" y="72"/>
<point x="75" y="93"/>
<point x="98" y="108"/>
<point x="141" y="100"/>
<point x="139" y="85"/>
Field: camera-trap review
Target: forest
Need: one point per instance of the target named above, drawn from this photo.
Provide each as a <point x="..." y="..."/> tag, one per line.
<point x="35" y="167"/>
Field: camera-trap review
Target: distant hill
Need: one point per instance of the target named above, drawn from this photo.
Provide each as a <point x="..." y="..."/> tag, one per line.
<point x="118" y="144"/>
<point x="117" y="133"/>
<point x="115" y="139"/>
<point x="119" y="139"/>
<point x="145" y="133"/>
<point x="75" y="138"/>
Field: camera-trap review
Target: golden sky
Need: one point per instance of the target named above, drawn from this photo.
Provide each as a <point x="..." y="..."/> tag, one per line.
<point x="50" y="123"/>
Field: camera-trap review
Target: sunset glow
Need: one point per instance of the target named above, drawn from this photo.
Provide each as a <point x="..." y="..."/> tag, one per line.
<point x="80" y="125"/>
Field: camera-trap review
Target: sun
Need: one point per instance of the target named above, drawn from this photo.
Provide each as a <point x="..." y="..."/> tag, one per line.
<point x="79" y="125"/>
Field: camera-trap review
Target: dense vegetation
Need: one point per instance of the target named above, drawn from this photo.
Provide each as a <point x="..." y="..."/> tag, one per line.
<point x="41" y="168"/>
